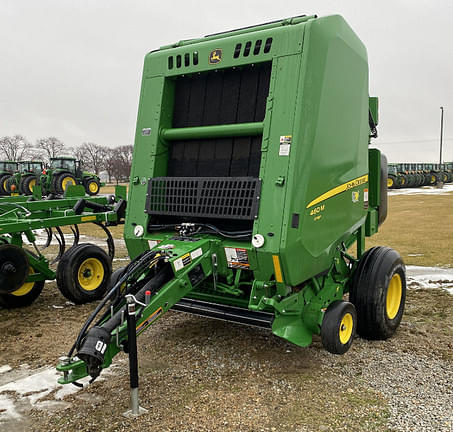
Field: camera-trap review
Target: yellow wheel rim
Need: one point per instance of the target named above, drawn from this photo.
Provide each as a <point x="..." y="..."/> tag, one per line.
<point x="31" y="184"/>
<point x="4" y="184"/>
<point x="67" y="181"/>
<point x="433" y="179"/>
<point x="93" y="187"/>
<point x="389" y="182"/>
<point x="26" y="287"/>
<point x="345" y="330"/>
<point x="90" y="274"/>
<point x="394" y="294"/>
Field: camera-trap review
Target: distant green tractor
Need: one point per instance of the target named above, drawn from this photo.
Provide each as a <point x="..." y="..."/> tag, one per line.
<point x="436" y="174"/>
<point x="396" y="178"/>
<point x="26" y="176"/>
<point x="65" y="171"/>
<point x="7" y="169"/>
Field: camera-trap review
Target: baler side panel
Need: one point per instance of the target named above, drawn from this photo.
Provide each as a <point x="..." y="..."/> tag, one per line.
<point x="331" y="141"/>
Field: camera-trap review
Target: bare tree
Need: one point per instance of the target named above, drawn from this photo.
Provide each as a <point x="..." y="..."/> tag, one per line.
<point x="93" y="156"/>
<point x="123" y="162"/>
<point x="15" y="148"/>
<point x="78" y="152"/>
<point x="110" y="162"/>
<point x="51" y="146"/>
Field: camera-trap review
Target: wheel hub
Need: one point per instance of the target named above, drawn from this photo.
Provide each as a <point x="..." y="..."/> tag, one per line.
<point x="90" y="274"/>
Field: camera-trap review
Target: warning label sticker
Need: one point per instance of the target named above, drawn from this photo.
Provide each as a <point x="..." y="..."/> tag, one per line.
<point x="237" y="258"/>
<point x="180" y="263"/>
<point x="196" y="253"/>
<point x="365" y="198"/>
<point x="285" y="145"/>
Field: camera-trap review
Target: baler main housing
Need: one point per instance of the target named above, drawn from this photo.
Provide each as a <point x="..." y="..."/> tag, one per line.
<point x="267" y="129"/>
<point x="251" y="180"/>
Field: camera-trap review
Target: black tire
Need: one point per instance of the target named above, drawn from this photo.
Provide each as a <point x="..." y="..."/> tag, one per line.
<point x="60" y="182"/>
<point x="427" y="179"/>
<point x="338" y="327"/>
<point x="26" y="184"/>
<point x="92" y="186"/>
<point x="83" y="273"/>
<point x="3" y="180"/>
<point x="9" y="186"/>
<point x="392" y="181"/>
<point x="378" y="292"/>
<point x="403" y="180"/>
<point x="25" y="295"/>
<point x="116" y="275"/>
<point x="411" y="180"/>
<point x="420" y="179"/>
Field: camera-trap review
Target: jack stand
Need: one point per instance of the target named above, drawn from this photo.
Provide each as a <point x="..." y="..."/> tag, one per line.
<point x="135" y="410"/>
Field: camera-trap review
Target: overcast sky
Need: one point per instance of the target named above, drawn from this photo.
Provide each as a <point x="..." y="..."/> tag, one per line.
<point x="72" y="69"/>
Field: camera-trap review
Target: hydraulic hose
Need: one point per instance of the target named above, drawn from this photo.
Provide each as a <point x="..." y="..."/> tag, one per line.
<point x="140" y="263"/>
<point x="98" y="338"/>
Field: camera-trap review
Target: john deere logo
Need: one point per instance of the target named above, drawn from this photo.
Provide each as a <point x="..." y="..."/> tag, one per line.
<point x="215" y="56"/>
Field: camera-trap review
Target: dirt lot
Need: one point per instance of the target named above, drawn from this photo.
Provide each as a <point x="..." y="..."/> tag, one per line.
<point x="205" y="375"/>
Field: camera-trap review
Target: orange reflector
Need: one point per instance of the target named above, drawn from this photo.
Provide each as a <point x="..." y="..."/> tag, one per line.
<point x="277" y="269"/>
<point x="13" y="188"/>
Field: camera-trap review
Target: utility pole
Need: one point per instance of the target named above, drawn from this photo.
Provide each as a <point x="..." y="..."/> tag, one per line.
<point x="441" y="131"/>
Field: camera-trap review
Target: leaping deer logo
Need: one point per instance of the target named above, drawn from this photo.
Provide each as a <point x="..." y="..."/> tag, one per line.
<point x="215" y="56"/>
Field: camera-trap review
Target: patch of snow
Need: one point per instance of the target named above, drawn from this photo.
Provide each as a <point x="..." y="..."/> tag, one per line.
<point x="8" y="409"/>
<point x="30" y="387"/>
<point x="39" y="381"/>
<point x="5" y="368"/>
<point x="430" y="277"/>
<point x="425" y="190"/>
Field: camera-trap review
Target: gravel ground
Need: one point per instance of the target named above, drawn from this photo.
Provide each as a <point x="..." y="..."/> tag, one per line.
<point x="198" y="374"/>
<point x="418" y="387"/>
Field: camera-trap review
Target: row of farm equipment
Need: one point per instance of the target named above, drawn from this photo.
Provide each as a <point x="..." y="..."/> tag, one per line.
<point x="19" y="178"/>
<point x="409" y="175"/>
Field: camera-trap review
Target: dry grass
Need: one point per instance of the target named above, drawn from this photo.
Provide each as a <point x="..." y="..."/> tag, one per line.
<point x="420" y="225"/>
<point x="110" y="188"/>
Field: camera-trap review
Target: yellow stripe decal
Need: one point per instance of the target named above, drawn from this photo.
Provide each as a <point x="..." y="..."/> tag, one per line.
<point x="277" y="269"/>
<point x="339" y="189"/>
<point x="87" y="218"/>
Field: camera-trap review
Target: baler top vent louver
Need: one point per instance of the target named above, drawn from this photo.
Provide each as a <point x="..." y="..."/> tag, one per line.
<point x="256" y="48"/>
<point x="179" y="60"/>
